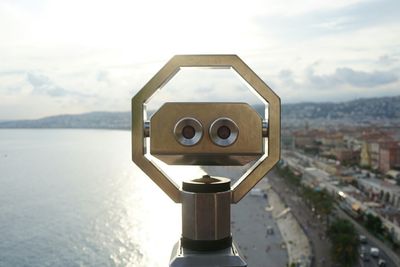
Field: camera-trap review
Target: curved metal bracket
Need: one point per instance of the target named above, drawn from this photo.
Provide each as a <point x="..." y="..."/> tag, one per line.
<point x="257" y="172"/>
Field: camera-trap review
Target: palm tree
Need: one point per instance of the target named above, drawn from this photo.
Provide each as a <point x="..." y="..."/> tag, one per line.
<point x="345" y="242"/>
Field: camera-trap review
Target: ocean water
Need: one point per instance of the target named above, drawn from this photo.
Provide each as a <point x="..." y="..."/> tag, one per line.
<point x="74" y="198"/>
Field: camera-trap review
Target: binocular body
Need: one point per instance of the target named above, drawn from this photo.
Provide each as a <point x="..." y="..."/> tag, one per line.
<point x="206" y="134"/>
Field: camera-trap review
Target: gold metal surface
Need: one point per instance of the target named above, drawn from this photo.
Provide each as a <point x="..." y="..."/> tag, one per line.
<point x="247" y="147"/>
<point x="206" y="216"/>
<point x="245" y="183"/>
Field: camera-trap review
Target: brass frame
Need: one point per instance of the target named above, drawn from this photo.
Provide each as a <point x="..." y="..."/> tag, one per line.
<point x="257" y="172"/>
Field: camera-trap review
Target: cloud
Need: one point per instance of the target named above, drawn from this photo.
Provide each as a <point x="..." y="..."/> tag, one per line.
<point x="315" y="23"/>
<point x="12" y="82"/>
<point x="351" y="77"/>
<point x="11" y="72"/>
<point x="388" y="59"/>
<point x="61" y="63"/>
<point x="341" y="84"/>
<point x="287" y="77"/>
<point x="102" y="76"/>
<point x="43" y="85"/>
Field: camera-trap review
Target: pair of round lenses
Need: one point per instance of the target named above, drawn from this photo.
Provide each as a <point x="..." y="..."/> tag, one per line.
<point x="189" y="131"/>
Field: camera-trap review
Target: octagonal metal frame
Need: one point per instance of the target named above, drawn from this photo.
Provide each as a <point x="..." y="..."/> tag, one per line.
<point x="256" y="172"/>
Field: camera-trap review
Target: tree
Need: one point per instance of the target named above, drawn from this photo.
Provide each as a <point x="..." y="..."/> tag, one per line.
<point x="345" y="242"/>
<point x="286" y="173"/>
<point x="374" y="224"/>
<point x="324" y="204"/>
<point x="322" y="201"/>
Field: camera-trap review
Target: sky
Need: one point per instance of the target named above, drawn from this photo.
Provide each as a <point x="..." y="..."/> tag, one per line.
<point x="60" y="57"/>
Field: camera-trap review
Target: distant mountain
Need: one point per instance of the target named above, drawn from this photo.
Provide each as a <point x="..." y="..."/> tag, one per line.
<point x="375" y="112"/>
<point x="376" y="108"/>
<point x="100" y="120"/>
<point x="370" y="111"/>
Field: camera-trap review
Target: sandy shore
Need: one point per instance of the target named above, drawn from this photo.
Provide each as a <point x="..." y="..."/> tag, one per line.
<point x="298" y="245"/>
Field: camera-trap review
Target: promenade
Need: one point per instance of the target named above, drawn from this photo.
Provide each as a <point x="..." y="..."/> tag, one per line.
<point x="250" y="222"/>
<point x="266" y="232"/>
<point x="298" y="245"/>
<point x="313" y="227"/>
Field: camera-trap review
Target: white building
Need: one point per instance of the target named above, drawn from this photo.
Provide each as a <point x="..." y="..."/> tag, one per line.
<point x="380" y="190"/>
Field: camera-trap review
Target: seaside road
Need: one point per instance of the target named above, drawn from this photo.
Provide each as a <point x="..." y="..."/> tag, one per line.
<point x="385" y="252"/>
<point x="313" y="227"/>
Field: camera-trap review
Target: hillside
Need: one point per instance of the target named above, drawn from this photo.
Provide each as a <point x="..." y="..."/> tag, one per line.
<point x="385" y="107"/>
<point x="100" y="120"/>
<point x="369" y="111"/>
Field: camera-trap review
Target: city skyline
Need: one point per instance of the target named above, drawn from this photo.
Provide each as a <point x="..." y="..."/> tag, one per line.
<point x="71" y="57"/>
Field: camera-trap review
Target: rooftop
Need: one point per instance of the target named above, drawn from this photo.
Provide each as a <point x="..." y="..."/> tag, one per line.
<point x="373" y="182"/>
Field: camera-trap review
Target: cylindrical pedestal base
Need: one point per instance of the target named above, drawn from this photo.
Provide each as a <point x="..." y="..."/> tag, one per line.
<point x="206" y="214"/>
<point x="228" y="257"/>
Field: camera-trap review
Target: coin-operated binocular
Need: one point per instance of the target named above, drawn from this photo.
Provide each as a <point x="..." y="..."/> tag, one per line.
<point x="206" y="134"/>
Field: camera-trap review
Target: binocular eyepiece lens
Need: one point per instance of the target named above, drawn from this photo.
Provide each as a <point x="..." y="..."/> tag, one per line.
<point x="224" y="132"/>
<point x="188" y="131"/>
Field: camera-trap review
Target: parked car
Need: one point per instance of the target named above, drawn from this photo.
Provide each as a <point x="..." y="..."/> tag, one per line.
<point x="381" y="263"/>
<point x="364" y="256"/>
<point x="363" y="249"/>
<point x="374" y="252"/>
<point x="363" y="239"/>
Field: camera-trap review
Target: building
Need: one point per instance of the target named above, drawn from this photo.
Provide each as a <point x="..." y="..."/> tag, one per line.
<point x="345" y="155"/>
<point x="380" y="191"/>
<point x="374" y="154"/>
<point x="372" y="143"/>
<point x="332" y="140"/>
<point x="389" y="157"/>
<point x="306" y="140"/>
<point x="313" y="177"/>
<point x="365" y="160"/>
<point x="330" y="166"/>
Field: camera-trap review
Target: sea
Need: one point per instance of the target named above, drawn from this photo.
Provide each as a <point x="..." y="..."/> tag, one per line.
<point x="73" y="197"/>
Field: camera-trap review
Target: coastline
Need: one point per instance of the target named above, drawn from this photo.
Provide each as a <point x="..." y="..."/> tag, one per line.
<point x="297" y="243"/>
